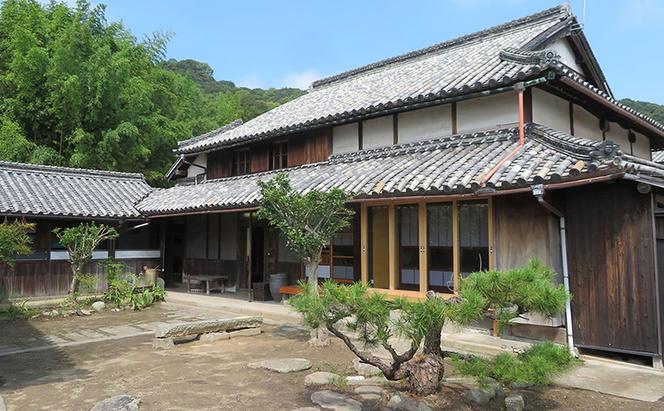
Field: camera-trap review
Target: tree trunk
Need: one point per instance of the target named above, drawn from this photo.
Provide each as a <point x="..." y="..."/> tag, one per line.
<point x="73" y="286"/>
<point x="312" y="275"/>
<point x="319" y="336"/>
<point x="424" y="374"/>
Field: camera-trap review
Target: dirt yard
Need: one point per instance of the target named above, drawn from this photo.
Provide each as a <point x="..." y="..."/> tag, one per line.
<point x="204" y="376"/>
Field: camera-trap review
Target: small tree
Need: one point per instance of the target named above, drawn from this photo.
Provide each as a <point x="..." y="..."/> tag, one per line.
<point x="80" y="241"/>
<point x="309" y="221"/>
<point x="14" y="240"/>
<point x="368" y="315"/>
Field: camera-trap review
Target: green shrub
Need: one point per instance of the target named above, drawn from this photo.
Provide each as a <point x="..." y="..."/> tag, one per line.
<point x="87" y="283"/>
<point x="123" y="290"/>
<point x="17" y="311"/>
<point x="538" y="365"/>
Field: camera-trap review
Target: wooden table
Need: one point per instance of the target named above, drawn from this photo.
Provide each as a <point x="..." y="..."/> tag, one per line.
<point x="212" y="282"/>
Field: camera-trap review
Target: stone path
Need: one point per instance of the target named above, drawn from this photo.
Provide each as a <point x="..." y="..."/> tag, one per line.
<point x="174" y="313"/>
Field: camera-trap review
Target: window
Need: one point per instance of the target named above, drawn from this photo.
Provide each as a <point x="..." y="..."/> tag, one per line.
<point x="440" y="245"/>
<point x="409" y="258"/>
<point x="473" y="237"/>
<point x="241" y="162"/>
<point x="343" y="262"/>
<point x="279" y="157"/>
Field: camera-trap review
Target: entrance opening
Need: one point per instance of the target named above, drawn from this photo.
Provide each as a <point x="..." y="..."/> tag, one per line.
<point x="617" y="356"/>
<point x="378" y="247"/>
<point x="257" y="255"/>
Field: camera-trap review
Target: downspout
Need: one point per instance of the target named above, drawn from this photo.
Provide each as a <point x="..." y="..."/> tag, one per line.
<point x="520" y="88"/>
<point x="538" y="192"/>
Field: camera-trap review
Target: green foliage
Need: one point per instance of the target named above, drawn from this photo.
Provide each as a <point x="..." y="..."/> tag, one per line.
<point x="124" y="291"/>
<point x="80" y="241"/>
<point x="653" y="110"/>
<point x="14" y="240"/>
<point x="536" y="365"/>
<point x="506" y="294"/>
<point x="78" y="90"/>
<point x="87" y="283"/>
<point x="309" y="221"/>
<point x="17" y="311"/>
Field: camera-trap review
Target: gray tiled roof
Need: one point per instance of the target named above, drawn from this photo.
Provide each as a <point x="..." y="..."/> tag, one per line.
<point x="449" y="165"/>
<point x="658" y="156"/>
<point x="469" y="63"/>
<point x="37" y="190"/>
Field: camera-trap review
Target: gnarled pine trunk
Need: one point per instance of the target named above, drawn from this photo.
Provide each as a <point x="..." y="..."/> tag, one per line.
<point x="424" y="372"/>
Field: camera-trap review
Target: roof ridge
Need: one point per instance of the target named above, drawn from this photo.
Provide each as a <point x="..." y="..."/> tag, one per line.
<point x="562" y="10"/>
<point x="14" y="166"/>
<point x="226" y="127"/>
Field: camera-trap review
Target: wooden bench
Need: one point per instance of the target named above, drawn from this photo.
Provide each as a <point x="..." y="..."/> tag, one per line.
<point x="289" y="290"/>
<point x="207" y="330"/>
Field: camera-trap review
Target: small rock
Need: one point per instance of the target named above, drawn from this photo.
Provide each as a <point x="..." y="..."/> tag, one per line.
<point x="520" y="385"/>
<point x="306" y="409"/>
<point x="367" y="370"/>
<point x="335" y="401"/>
<point x="118" y="403"/>
<point x="514" y="403"/>
<point x="320" y="378"/>
<point x="282" y="365"/>
<point x="84" y="312"/>
<point x="402" y="402"/>
<point x="115" y="310"/>
<point x="480" y="396"/>
<point x="98" y="306"/>
<point x="369" y="389"/>
<point x="2" y="404"/>
<point x="371" y="397"/>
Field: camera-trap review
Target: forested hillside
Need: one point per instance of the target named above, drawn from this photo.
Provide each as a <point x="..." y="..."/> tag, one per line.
<point x="79" y="91"/>
<point x="656" y="111"/>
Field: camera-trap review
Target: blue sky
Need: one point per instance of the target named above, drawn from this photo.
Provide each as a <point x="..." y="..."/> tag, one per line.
<point x="259" y="43"/>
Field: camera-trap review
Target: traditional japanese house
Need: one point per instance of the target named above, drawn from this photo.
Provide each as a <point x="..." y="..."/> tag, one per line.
<point x="476" y="153"/>
<point x="54" y="197"/>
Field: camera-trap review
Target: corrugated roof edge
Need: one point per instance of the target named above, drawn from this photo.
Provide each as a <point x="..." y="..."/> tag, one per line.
<point x="24" y="167"/>
<point x="563" y="11"/>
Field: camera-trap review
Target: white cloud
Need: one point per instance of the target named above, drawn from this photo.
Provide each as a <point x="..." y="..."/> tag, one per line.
<point x="250" y="80"/>
<point x="301" y="80"/>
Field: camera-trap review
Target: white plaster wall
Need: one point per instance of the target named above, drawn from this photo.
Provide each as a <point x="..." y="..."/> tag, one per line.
<point x="550" y="110"/>
<point x="378" y="132"/>
<point x="563" y="48"/>
<point x="499" y="110"/>
<point x="345" y="138"/>
<point x="426" y="123"/>
<point x="641" y="147"/>
<point x="586" y="125"/>
<point x="618" y="135"/>
<point x="193" y="171"/>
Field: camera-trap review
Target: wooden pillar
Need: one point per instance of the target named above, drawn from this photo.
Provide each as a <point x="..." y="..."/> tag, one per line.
<point x="422" y="242"/>
<point x="364" y="244"/>
<point x="455" y="241"/>
<point x="490" y="239"/>
<point x="393" y="245"/>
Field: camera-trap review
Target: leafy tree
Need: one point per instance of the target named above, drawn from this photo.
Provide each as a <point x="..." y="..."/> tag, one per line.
<point x="309" y="221"/>
<point x="80" y="241"/>
<point x="14" y="240"/>
<point x="368" y="315"/>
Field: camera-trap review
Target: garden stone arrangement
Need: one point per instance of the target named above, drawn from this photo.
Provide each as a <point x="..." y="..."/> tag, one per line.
<point x="282" y="365"/>
<point x="208" y="330"/>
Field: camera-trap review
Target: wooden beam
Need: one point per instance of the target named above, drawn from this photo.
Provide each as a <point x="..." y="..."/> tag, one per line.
<point x="422" y="242"/>
<point x="359" y="135"/>
<point x="364" y="244"/>
<point x="492" y="257"/>
<point x="453" y="110"/>
<point x="392" y="246"/>
<point x="571" y="118"/>
<point x="395" y="128"/>
<point x="455" y="248"/>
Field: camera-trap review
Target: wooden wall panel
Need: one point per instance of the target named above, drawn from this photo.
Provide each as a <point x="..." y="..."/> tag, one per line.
<point x="260" y="158"/>
<point x="524" y="230"/>
<point x="612" y="267"/>
<point x="219" y="164"/>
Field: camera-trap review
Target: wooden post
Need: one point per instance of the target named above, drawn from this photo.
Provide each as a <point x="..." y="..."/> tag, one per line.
<point x="422" y="242"/>
<point x="492" y="256"/>
<point x="364" y="244"/>
<point x="456" y="252"/>
<point x="393" y="245"/>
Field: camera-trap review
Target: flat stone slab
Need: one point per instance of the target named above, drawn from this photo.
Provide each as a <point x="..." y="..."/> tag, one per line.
<point x="369" y="389"/>
<point x="2" y="404"/>
<point x="321" y="378"/>
<point x="282" y="365"/>
<point x="118" y="403"/>
<point x="335" y="401"/>
<point x="184" y="329"/>
<point x="405" y="403"/>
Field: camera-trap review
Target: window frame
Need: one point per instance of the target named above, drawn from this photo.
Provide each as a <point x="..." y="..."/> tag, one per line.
<point x="238" y="162"/>
<point x="279" y="155"/>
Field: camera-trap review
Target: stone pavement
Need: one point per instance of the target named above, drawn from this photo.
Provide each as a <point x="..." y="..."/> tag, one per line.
<point x="174" y="313"/>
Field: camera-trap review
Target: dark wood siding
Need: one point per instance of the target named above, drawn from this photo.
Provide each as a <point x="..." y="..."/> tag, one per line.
<point x="311" y="147"/>
<point x="612" y="268"/>
<point x="219" y="164"/>
<point x="260" y="158"/>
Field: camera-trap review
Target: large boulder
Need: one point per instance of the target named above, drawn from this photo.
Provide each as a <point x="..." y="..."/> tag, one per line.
<point x="335" y="401"/>
<point x="98" y="306"/>
<point x="282" y="365"/>
<point x="404" y="403"/>
<point x="118" y="403"/>
<point x="514" y="402"/>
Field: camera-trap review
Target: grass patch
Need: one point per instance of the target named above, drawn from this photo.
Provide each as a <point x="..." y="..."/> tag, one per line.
<point x="538" y="365"/>
<point x="17" y="311"/>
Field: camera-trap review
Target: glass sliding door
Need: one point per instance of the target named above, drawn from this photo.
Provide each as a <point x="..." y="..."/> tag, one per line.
<point x="379" y="270"/>
<point x="343" y="261"/>
<point x="473" y="236"/>
<point x="409" y="260"/>
<point x="440" y="247"/>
